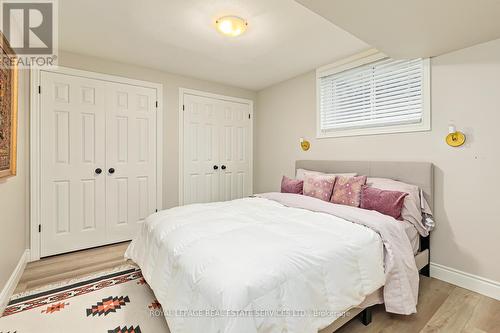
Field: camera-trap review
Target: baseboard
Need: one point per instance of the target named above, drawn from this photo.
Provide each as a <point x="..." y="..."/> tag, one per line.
<point x="465" y="280"/>
<point x="11" y="284"/>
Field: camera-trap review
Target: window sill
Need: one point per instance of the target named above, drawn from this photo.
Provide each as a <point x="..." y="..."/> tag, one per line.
<point x="422" y="127"/>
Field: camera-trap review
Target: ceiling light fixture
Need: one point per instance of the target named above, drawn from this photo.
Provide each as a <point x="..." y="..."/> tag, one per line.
<point x="231" y="25"/>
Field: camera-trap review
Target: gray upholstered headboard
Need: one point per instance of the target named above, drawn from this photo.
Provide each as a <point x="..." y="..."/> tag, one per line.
<point x="416" y="173"/>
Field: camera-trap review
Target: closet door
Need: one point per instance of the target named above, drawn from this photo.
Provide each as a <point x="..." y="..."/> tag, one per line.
<point x="130" y="159"/>
<point x="72" y="151"/>
<point x="202" y="117"/>
<point x="234" y="151"/>
<point x="216" y="148"/>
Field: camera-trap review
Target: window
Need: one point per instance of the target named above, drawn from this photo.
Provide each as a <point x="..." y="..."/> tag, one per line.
<point x="373" y="94"/>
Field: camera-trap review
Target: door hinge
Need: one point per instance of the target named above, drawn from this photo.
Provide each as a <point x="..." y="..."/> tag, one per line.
<point x="39" y="228"/>
<point x="183" y="107"/>
<point x="249" y="116"/>
<point x="39" y="89"/>
<point x="156" y="103"/>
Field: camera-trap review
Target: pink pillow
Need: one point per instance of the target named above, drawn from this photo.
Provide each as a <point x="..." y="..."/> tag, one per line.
<point x="289" y="185"/>
<point x="319" y="186"/>
<point x="383" y="201"/>
<point x="347" y="190"/>
<point x="411" y="211"/>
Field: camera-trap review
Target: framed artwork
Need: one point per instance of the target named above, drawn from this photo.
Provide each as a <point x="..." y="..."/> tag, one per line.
<point x="8" y="110"/>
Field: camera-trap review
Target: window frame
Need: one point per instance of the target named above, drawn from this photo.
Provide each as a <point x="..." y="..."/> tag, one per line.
<point x="361" y="59"/>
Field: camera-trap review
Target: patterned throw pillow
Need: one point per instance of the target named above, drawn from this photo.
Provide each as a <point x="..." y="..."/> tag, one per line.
<point x="301" y="173"/>
<point x="347" y="191"/>
<point x="319" y="186"/>
<point x="383" y="201"/>
<point x="289" y="185"/>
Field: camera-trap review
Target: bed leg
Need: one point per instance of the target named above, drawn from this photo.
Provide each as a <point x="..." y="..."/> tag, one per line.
<point x="366" y="316"/>
<point x="425" y="244"/>
<point x="426" y="271"/>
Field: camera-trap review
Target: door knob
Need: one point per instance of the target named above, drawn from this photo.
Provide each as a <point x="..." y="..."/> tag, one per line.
<point x="111" y="170"/>
<point x="216" y="167"/>
<point x="223" y="167"/>
<point x="98" y="171"/>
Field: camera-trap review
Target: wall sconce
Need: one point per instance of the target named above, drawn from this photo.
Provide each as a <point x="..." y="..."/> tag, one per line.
<point x="304" y="144"/>
<point x="454" y="137"/>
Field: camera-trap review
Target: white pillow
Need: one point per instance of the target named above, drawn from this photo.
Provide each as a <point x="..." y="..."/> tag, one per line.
<point x="300" y="175"/>
<point x="411" y="211"/>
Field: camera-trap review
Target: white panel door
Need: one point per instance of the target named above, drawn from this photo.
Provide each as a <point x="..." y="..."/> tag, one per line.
<point x="216" y="149"/>
<point x="201" y="149"/>
<point x="234" y="151"/>
<point x="72" y="149"/>
<point x="130" y="159"/>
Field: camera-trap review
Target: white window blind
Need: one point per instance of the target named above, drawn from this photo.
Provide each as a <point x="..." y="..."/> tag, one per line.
<point x="380" y="94"/>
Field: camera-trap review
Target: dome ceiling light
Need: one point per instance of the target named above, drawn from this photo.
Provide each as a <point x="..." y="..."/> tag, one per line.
<point x="231" y="25"/>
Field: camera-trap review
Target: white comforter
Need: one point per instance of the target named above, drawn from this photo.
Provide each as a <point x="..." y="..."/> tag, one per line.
<point x="257" y="257"/>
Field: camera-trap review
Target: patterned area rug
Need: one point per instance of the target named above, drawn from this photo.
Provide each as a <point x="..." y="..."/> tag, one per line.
<point x="120" y="302"/>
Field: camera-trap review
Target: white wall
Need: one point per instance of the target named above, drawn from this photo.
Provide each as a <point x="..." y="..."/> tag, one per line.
<point x="465" y="90"/>
<point x="13" y="193"/>
<point x="171" y="84"/>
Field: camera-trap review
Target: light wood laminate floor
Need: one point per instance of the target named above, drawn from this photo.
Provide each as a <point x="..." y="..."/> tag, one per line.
<point x="72" y="265"/>
<point x="442" y="307"/>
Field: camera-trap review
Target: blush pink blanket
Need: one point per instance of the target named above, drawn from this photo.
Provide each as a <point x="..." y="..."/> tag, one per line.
<point x="401" y="287"/>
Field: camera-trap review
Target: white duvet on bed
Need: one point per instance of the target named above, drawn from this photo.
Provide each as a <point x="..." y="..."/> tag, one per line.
<point x="257" y="257"/>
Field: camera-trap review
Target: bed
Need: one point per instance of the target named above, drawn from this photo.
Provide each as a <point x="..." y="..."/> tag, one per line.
<point x="275" y="261"/>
